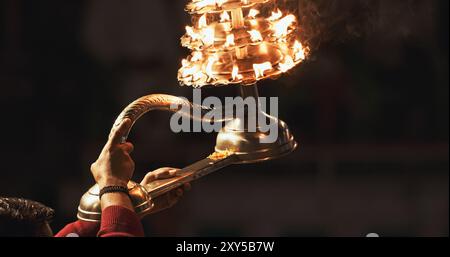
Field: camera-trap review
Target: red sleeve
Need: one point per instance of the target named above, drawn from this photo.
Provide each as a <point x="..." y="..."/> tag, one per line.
<point x="119" y="221"/>
<point x="79" y="229"/>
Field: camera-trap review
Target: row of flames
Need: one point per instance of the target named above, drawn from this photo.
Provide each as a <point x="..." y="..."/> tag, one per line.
<point x="198" y="5"/>
<point x="198" y="69"/>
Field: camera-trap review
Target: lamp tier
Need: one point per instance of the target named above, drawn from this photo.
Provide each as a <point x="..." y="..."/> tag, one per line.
<point x="236" y="42"/>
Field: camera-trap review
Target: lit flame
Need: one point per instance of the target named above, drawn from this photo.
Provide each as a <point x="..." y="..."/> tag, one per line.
<point x="255" y="36"/>
<point x="227" y="27"/>
<point x="196" y="56"/>
<point x="224" y="17"/>
<point x="209" y="66"/>
<point x="208" y="36"/>
<point x="197" y="75"/>
<point x="204" y="3"/>
<point x="184" y="63"/>
<point x="191" y="33"/>
<point x="287" y="64"/>
<point x="202" y="23"/>
<point x="275" y="15"/>
<point x="252" y="13"/>
<point x="230" y="40"/>
<point x="261" y="68"/>
<point x="235" y="73"/>
<point x="281" y="27"/>
<point x="219" y="3"/>
<point x="253" y="22"/>
<point x="221" y="50"/>
<point x="193" y="71"/>
<point x="299" y="51"/>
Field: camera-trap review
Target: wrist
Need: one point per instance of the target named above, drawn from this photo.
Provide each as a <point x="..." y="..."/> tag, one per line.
<point x="116" y="199"/>
<point x="113" y="189"/>
<point x="107" y="182"/>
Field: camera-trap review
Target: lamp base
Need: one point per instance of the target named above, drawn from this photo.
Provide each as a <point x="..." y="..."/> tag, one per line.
<point x="247" y="145"/>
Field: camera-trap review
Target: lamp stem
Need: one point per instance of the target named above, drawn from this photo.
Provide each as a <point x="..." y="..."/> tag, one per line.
<point x="250" y="91"/>
<point x="237" y="22"/>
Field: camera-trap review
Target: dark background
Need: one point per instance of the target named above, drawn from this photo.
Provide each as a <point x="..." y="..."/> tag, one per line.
<point x="370" y="110"/>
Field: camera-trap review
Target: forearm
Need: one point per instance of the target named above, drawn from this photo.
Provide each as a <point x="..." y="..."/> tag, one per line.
<point x="118" y="221"/>
<point x="79" y="229"/>
<point x="118" y="217"/>
<point x="91" y="229"/>
<point x="116" y="199"/>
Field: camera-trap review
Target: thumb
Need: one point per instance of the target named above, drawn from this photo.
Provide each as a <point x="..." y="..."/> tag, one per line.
<point x="119" y="131"/>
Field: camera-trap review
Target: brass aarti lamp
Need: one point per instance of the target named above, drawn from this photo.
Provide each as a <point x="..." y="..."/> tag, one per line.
<point x="233" y="42"/>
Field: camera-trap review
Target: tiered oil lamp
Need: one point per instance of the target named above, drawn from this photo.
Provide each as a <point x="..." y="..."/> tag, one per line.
<point x="233" y="42"/>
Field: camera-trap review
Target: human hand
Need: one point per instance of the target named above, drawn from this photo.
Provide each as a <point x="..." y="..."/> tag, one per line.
<point x="114" y="166"/>
<point x="169" y="199"/>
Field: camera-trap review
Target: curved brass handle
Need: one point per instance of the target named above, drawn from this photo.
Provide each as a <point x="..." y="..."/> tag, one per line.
<point x="90" y="209"/>
<point x="170" y="103"/>
<point x="233" y="146"/>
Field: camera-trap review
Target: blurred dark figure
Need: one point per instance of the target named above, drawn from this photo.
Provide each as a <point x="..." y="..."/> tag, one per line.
<point x="24" y="218"/>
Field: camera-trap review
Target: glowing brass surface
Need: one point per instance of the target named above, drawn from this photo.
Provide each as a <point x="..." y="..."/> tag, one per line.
<point x="234" y="145"/>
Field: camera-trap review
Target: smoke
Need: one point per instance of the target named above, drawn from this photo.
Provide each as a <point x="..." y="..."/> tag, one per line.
<point x="334" y="21"/>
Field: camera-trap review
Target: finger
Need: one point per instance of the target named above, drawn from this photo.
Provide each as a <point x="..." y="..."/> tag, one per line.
<point x="170" y="174"/>
<point x="154" y="175"/>
<point x="149" y="177"/>
<point x="166" y="201"/>
<point x="173" y="197"/>
<point x="127" y="147"/>
<point x="166" y="173"/>
<point x="163" y="202"/>
<point x="119" y="132"/>
<point x="161" y="173"/>
<point x="162" y="170"/>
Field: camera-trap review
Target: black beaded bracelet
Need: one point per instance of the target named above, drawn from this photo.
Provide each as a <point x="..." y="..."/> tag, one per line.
<point x="113" y="189"/>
